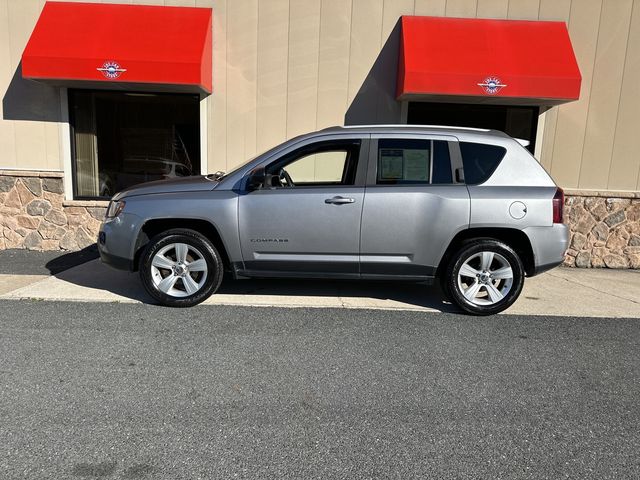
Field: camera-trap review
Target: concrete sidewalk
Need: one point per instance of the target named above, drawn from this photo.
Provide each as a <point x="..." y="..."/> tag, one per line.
<point x="563" y="291"/>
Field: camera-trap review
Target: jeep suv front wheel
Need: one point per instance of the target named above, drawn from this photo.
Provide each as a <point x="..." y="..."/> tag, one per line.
<point x="484" y="277"/>
<point x="180" y="268"/>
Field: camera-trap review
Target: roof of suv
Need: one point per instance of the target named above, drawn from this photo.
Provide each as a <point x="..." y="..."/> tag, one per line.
<point x="433" y="129"/>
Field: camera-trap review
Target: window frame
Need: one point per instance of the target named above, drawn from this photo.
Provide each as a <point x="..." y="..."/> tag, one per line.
<point x="71" y="92"/>
<point x="68" y="102"/>
<point x="454" y="156"/>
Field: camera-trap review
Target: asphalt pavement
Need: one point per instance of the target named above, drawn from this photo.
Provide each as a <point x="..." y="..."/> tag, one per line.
<point x="30" y="262"/>
<point x="134" y="391"/>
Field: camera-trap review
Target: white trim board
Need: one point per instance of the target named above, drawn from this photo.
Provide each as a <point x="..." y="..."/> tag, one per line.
<point x="540" y="135"/>
<point x="204" y="136"/>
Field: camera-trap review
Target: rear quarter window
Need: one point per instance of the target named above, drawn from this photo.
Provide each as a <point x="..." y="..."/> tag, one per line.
<point x="480" y="160"/>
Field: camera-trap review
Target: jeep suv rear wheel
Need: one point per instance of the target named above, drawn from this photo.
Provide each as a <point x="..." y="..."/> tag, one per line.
<point x="484" y="277"/>
<point x="180" y="268"/>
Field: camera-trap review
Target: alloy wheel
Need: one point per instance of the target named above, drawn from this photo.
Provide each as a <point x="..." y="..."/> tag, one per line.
<point x="179" y="270"/>
<point x="485" y="278"/>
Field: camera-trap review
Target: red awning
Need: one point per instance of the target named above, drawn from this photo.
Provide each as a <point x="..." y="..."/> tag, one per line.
<point x="501" y="61"/>
<point x="123" y="46"/>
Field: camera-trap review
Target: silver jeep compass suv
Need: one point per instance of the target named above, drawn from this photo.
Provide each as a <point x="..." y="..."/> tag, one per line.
<point x="471" y="208"/>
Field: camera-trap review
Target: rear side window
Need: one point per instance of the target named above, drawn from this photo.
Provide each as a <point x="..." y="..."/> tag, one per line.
<point x="413" y="162"/>
<point x="480" y="160"/>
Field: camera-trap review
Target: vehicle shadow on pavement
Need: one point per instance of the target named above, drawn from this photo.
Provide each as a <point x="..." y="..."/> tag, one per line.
<point x="95" y="281"/>
<point x="30" y="262"/>
<point x="60" y="263"/>
<point x="351" y="293"/>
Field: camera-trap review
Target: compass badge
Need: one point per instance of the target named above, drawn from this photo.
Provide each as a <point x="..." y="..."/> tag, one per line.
<point x="111" y="69"/>
<point x="492" y="85"/>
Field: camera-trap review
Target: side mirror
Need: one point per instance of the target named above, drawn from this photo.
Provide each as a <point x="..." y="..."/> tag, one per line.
<point x="256" y="179"/>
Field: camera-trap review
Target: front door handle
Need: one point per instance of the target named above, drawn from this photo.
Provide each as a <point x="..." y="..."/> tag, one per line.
<point x="339" y="200"/>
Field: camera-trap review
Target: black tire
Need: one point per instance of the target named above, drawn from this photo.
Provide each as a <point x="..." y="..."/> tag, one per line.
<point x="444" y="286"/>
<point x="203" y="246"/>
<point x="468" y="250"/>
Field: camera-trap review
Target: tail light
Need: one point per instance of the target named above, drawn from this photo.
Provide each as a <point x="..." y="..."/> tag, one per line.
<point x="558" y="206"/>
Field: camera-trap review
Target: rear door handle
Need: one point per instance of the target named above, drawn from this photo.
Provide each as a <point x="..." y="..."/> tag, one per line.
<point x="339" y="200"/>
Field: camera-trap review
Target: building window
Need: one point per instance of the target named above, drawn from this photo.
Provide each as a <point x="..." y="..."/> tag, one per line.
<point x="122" y="139"/>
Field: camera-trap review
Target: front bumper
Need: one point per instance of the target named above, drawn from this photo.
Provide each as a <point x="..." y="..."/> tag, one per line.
<point x="116" y="241"/>
<point x="114" y="261"/>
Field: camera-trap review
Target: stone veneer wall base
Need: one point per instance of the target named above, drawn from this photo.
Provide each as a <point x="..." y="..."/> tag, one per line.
<point x="605" y="230"/>
<point x="34" y="214"/>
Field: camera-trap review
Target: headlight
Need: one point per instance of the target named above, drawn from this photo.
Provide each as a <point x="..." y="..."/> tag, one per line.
<point x="115" y="209"/>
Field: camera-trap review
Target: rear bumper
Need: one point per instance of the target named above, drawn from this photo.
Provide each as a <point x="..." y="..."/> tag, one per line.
<point x="549" y="245"/>
<point x="543" y="268"/>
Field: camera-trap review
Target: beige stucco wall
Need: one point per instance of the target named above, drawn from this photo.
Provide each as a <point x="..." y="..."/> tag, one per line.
<point x="25" y="142"/>
<point x="284" y="67"/>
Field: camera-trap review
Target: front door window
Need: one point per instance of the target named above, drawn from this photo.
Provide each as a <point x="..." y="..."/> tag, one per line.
<point x="324" y="164"/>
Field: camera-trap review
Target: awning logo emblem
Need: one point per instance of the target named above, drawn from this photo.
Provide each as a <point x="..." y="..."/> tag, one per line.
<point x="111" y="69"/>
<point x="492" y="85"/>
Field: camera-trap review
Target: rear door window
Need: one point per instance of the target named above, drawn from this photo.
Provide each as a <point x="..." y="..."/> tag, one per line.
<point x="411" y="162"/>
<point x="480" y="160"/>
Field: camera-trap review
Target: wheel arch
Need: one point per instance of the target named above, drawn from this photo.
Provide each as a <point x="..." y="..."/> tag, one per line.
<point x="514" y="238"/>
<point x="155" y="226"/>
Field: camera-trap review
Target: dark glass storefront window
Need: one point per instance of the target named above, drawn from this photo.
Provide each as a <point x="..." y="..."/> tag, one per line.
<point x="517" y="121"/>
<point x="121" y="139"/>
